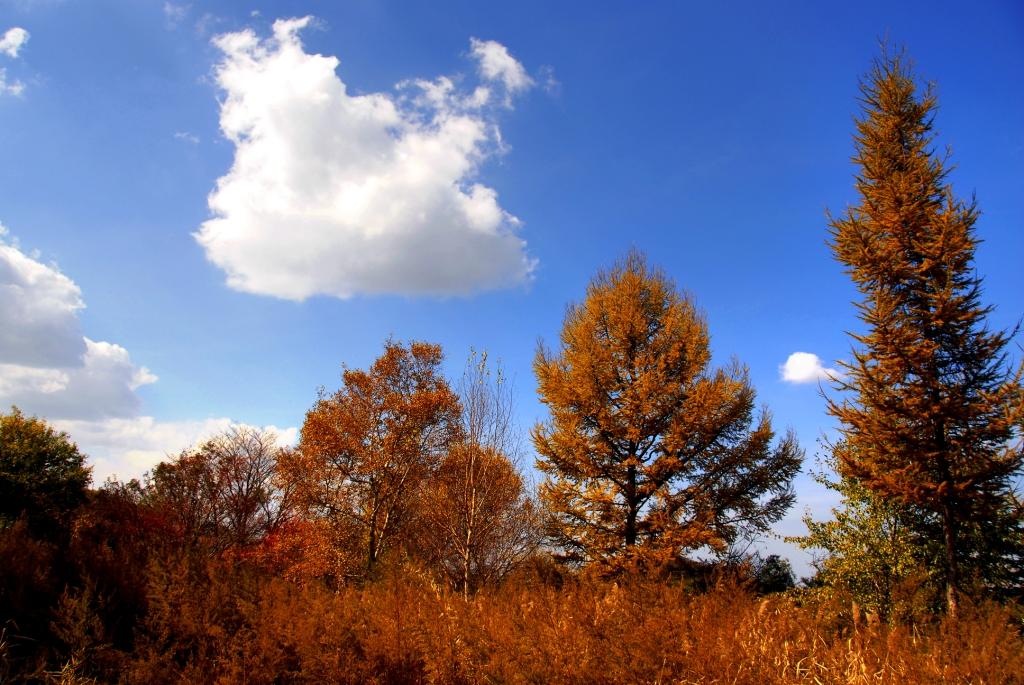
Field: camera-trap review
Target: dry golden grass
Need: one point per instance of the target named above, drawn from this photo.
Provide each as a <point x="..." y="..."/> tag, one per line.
<point x="209" y="625"/>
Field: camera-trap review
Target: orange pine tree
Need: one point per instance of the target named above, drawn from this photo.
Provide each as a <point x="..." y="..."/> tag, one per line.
<point x="648" y="452"/>
<point x="932" y="408"/>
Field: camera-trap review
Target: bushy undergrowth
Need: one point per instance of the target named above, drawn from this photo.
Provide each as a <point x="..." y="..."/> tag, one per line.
<point x="211" y="622"/>
<point x="117" y="600"/>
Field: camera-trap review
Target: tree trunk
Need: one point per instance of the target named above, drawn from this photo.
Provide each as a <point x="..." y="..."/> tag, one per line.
<point x="631" y="508"/>
<point x="470" y="525"/>
<point x="949" y="525"/>
<point x="371" y="551"/>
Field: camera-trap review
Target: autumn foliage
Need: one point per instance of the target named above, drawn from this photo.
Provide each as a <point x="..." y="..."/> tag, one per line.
<point x="933" y="412"/>
<point x="479" y="520"/>
<point x="207" y="622"/>
<point x="650" y="453"/>
<point x="364" y="455"/>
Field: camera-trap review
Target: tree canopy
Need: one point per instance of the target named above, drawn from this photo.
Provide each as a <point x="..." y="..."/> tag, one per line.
<point x="42" y="473"/>
<point x="479" y="520"/>
<point x="366" y="450"/>
<point x="648" y="452"/>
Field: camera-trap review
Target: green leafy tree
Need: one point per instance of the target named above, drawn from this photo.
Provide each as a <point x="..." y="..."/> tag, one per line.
<point x="873" y="548"/>
<point x="649" y="453"/>
<point x="42" y="474"/>
<point x="932" y="412"/>
<point x="887" y="555"/>
<point x="773" y="574"/>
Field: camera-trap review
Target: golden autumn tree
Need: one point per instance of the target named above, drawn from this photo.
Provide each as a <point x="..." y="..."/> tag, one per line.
<point x="648" y="452"/>
<point x="366" y="451"/>
<point x="478" y="521"/>
<point x="933" y="412"/>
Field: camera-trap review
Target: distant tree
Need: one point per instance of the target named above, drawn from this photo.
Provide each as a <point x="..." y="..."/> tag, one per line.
<point x="773" y="574"/>
<point x="366" y="451"/>
<point x="42" y="473"/>
<point x="478" y="521"/>
<point x="223" y="494"/>
<point x="251" y="502"/>
<point x="932" y="413"/>
<point x="180" y="498"/>
<point x="649" y="453"/>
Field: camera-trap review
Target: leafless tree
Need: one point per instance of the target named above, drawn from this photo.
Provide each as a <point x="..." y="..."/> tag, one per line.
<point x="478" y="518"/>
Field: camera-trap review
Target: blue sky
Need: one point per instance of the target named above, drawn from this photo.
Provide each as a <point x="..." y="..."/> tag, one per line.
<point x="206" y="216"/>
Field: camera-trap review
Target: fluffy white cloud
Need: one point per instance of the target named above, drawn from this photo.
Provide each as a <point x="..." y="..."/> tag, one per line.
<point x="126" y="448"/>
<point x="103" y="385"/>
<point x="47" y="366"/>
<point x="805" y="367"/>
<point x="87" y="388"/>
<point x="39" y="309"/>
<point x="13" y="40"/>
<point x="337" y="194"/>
<point x="496" y="64"/>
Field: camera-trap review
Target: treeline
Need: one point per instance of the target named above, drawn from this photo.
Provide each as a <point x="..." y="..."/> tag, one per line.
<point x="171" y="581"/>
<point x="398" y="541"/>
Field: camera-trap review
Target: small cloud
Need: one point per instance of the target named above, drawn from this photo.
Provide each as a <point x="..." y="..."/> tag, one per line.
<point x="13" y="40"/>
<point x="207" y="23"/>
<point x="175" y="13"/>
<point x="805" y="367"/>
<point x="496" y="64"/>
<point x="14" y="87"/>
<point x="186" y="137"/>
<point x="550" y="84"/>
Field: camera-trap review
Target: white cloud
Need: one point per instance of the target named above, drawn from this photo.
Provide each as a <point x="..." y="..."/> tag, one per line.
<point x="14" y="87"/>
<point x="175" y="13"/>
<point x="339" y="194"/>
<point x="126" y="448"/>
<point x="39" y="311"/>
<point x="103" y="385"/>
<point x="805" y="367"/>
<point x="496" y="64"/>
<point x="207" y="23"/>
<point x="186" y="137"/>
<point x="13" y="40"/>
<point x="548" y="81"/>
<point x="87" y="388"/>
<point x="47" y="366"/>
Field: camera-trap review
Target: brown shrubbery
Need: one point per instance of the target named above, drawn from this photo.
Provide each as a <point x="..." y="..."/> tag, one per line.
<point x="211" y="622"/>
<point x="141" y="608"/>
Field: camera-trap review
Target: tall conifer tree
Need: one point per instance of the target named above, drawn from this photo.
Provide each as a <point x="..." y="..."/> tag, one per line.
<point x="934" y="410"/>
